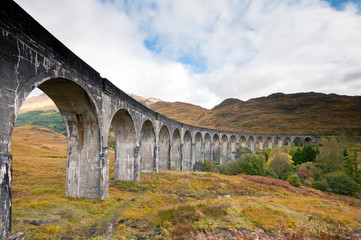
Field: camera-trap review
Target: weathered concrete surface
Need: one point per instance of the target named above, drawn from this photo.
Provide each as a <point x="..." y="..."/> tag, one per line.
<point x="90" y="105"/>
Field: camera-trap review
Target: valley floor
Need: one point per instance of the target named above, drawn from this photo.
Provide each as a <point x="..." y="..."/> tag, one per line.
<point x="167" y="205"/>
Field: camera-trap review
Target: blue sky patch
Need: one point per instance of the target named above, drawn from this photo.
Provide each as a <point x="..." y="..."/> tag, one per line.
<point x="197" y="65"/>
<point x="339" y="4"/>
<point x="152" y="44"/>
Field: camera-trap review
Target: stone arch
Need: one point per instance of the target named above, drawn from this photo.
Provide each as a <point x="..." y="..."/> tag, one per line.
<point x="233" y="147"/>
<point x="199" y="154"/>
<point x="216" y="150"/>
<point x="259" y="143"/>
<point x="243" y="141"/>
<point x="308" y="140"/>
<point x="147" y="148"/>
<point x="251" y="144"/>
<point x="125" y="146"/>
<point x="286" y="141"/>
<point x="164" y="149"/>
<point x="84" y="147"/>
<point x="176" y="153"/>
<point x="277" y="142"/>
<point x="268" y="143"/>
<point x="297" y="142"/>
<point x="187" y="149"/>
<point x="208" y="146"/>
<point x="224" y="149"/>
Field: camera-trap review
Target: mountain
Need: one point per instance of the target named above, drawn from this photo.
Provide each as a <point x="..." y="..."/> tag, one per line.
<point x="299" y="113"/>
<point x="38" y="103"/>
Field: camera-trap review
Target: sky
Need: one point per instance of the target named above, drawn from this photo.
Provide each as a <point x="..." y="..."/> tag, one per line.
<point x="204" y="51"/>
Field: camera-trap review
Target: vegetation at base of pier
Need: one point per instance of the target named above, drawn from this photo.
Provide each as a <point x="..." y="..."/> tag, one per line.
<point x="176" y="204"/>
<point x="333" y="165"/>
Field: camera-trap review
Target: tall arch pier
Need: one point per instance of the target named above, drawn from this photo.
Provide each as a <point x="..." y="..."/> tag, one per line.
<point x="30" y="57"/>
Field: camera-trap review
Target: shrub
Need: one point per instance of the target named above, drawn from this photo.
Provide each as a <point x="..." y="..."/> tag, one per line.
<point x="280" y="162"/>
<point x="270" y="173"/>
<point x="320" y="185"/>
<point x="342" y="184"/>
<point x="207" y="165"/>
<point x="231" y="168"/>
<point x="294" y="180"/>
<point x="252" y="164"/>
<point x="303" y="172"/>
<point x="307" y="182"/>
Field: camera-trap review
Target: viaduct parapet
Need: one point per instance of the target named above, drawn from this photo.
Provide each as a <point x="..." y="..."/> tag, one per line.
<point x="30" y="57"/>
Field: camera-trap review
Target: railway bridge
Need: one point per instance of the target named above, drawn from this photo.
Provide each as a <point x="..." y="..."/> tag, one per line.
<point x="30" y="57"/>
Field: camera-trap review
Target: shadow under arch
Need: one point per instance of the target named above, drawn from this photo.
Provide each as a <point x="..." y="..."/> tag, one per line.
<point x="216" y="150"/>
<point x="224" y="149"/>
<point x="164" y="149"/>
<point x="187" y="149"/>
<point x="208" y="147"/>
<point x="86" y="175"/>
<point x="125" y="166"/>
<point x="148" y="148"/>
<point x="176" y="152"/>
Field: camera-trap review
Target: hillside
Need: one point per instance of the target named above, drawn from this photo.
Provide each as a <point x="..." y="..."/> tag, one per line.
<point x="38" y="103"/>
<point x="167" y="205"/>
<point x="301" y="113"/>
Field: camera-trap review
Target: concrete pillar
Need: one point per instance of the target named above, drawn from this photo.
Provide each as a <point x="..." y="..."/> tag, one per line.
<point x="270" y="144"/>
<point x="5" y="194"/>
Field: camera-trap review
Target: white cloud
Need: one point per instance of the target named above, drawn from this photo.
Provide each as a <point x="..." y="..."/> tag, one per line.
<point x="246" y="48"/>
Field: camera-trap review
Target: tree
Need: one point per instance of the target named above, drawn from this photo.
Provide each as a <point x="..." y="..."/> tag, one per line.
<point x="307" y="153"/>
<point x="280" y="162"/>
<point x="342" y="184"/>
<point x="253" y="164"/>
<point x="330" y="157"/>
<point x="351" y="163"/>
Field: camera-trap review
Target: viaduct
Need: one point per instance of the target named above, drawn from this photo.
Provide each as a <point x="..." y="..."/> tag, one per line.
<point x="30" y="57"/>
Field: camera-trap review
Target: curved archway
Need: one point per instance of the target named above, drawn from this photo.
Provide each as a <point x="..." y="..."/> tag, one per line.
<point x="251" y="144"/>
<point x="277" y="142"/>
<point x="260" y="143"/>
<point x="187" y="149"/>
<point x="164" y="153"/>
<point x="286" y="141"/>
<point x="208" y="147"/>
<point x="125" y="137"/>
<point x="297" y="142"/>
<point x="147" y="148"/>
<point x="242" y="141"/>
<point x="83" y="155"/>
<point x="233" y="147"/>
<point x="199" y="154"/>
<point x="176" y="157"/>
<point x="268" y="143"/>
<point x="224" y="149"/>
<point x="216" y="150"/>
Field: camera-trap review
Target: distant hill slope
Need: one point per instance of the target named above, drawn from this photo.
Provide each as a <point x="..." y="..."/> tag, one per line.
<point x="38" y="103"/>
<point x="300" y="113"/>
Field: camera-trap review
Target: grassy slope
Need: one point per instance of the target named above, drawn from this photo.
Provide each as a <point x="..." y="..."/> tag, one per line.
<point x="301" y="113"/>
<point x="172" y="202"/>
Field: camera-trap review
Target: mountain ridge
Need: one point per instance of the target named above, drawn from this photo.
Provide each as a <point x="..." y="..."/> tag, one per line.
<point x="278" y="113"/>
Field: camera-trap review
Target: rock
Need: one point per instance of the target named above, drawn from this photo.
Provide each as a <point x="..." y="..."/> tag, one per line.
<point x="16" y="236"/>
